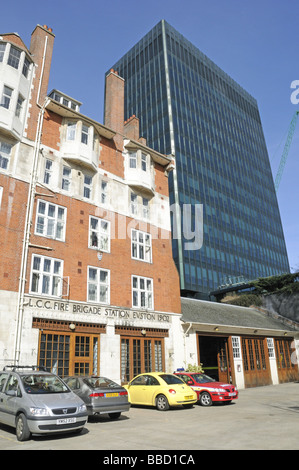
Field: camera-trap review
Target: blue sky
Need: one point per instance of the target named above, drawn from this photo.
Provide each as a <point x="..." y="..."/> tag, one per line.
<point x="255" y="42"/>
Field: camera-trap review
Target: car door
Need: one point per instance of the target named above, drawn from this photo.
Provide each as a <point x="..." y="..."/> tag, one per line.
<point x="151" y="390"/>
<point x="3" y="379"/>
<point x="11" y="399"/>
<point x="137" y="389"/>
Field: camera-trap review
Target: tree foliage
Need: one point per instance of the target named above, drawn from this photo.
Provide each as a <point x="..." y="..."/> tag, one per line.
<point x="284" y="283"/>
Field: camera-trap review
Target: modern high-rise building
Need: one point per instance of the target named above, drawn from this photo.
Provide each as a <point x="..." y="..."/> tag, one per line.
<point x="188" y="107"/>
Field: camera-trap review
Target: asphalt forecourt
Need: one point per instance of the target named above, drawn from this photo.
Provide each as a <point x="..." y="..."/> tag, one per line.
<point x="263" y="418"/>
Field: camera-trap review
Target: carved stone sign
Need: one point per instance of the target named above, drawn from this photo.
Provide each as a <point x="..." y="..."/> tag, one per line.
<point x="104" y="311"/>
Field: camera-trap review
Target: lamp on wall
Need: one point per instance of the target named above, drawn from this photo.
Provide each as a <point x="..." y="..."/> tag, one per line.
<point x="72" y="326"/>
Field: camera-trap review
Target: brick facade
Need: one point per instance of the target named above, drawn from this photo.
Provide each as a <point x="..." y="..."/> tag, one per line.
<point x="83" y="176"/>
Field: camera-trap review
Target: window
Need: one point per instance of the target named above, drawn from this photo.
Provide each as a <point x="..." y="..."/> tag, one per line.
<point x="5" y="152"/>
<point x="50" y="220"/>
<point x="1" y="193"/>
<point x="19" y="107"/>
<point x="6" y="97"/>
<point x="71" y="131"/>
<point x="145" y="208"/>
<point x="270" y="344"/>
<point x="141" y="246"/>
<point x="104" y="188"/>
<point x="142" y="292"/>
<point x="2" y="50"/>
<point x="98" y="285"/>
<point x="133" y="159"/>
<point x="66" y="178"/>
<point x="236" y="347"/>
<point x="46" y="276"/>
<point x="99" y="234"/>
<point x="143" y="162"/>
<point x="133" y="204"/>
<point x="87" y="186"/>
<point x="26" y="66"/>
<point x="48" y="171"/>
<point x="14" y="57"/>
<point x="84" y="134"/>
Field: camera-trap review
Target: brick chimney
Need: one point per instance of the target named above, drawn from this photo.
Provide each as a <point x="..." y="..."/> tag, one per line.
<point x="41" y="49"/>
<point x="131" y="128"/>
<point x="114" y="102"/>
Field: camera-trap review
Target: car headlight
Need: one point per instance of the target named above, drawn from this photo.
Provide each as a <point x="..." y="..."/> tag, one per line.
<point x="82" y="408"/>
<point x="39" y="411"/>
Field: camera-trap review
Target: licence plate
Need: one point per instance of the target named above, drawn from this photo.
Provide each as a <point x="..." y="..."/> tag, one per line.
<point x="108" y="395"/>
<point x="232" y="394"/>
<point x="189" y="397"/>
<point x="66" y="421"/>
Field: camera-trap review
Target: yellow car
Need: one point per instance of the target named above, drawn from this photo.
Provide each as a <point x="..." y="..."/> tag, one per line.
<point x="161" y="390"/>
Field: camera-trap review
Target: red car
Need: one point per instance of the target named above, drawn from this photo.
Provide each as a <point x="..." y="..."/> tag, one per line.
<point x="208" y="390"/>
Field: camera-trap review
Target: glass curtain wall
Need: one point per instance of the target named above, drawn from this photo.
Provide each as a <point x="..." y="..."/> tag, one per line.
<point x="189" y="107"/>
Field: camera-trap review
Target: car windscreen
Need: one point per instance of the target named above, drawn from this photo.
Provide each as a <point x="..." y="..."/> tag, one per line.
<point x="171" y="379"/>
<point x="100" y="382"/>
<point x="42" y="384"/>
<point x="202" y="378"/>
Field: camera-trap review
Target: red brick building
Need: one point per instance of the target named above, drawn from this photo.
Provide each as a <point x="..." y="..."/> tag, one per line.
<point x="87" y="279"/>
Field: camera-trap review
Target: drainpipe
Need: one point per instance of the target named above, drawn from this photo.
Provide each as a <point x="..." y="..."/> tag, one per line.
<point x="26" y="238"/>
<point x="185" y="335"/>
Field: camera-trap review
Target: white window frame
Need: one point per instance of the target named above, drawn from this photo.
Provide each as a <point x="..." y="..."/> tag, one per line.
<point x="141" y="246"/>
<point x="99" y="237"/>
<point x="5" y="154"/>
<point x="71" y="131"/>
<point x="52" y="222"/>
<point x="85" y="134"/>
<point x="2" y="50"/>
<point x="20" y="106"/>
<point x="48" y="171"/>
<point x="6" y="96"/>
<point x="144" y="162"/>
<point x="47" y="277"/>
<point x="142" y="292"/>
<point x="87" y="187"/>
<point x="271" y="348"/>
<point x="101" y="287"/>
<point x="103" y="192"/>
<point x="133" y="160"/>
<point x="1" y="194"/>
<point x="14" y="57"/>
<point x="134" y="204"/>
<point x="66" y="179"/>
<point x="236" y="345"/>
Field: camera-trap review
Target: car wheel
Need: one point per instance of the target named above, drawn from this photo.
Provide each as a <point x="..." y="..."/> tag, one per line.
<point x="22" y="430"/>
<point x="114" y="415"/>
<point x="162" y="403"/>
<point x="205" y="399"/>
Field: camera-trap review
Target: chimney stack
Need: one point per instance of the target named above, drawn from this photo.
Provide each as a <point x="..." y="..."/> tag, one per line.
<point x="114" y="102"/>
<point x="41" y="48"/>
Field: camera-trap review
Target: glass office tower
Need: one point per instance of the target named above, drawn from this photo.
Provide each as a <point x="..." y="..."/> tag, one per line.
<point x="190" y="108"/>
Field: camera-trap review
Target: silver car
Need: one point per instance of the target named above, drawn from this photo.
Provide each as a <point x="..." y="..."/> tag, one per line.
<point x="101" y="395"/>
<point x="38" y="402"/>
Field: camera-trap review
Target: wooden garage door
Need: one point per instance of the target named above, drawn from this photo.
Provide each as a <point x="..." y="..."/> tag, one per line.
<point x="286" y="360"/>
<point x="256" y="362"/>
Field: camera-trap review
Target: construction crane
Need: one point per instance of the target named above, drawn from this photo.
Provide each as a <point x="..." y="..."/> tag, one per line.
<point x="286" y="150"/>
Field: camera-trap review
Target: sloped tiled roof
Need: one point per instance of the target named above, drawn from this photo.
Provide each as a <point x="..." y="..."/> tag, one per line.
<point x="204" y="312"/>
